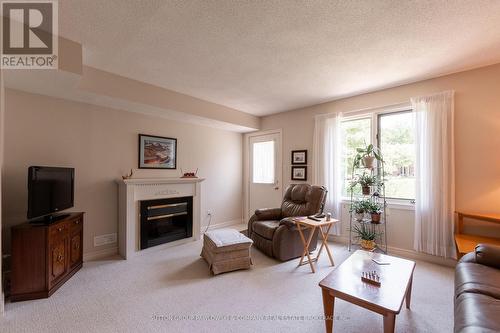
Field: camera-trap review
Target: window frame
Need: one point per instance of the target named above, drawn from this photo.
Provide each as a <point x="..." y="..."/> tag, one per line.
<point x="374" y="116"/>
<point x="378" y="138"/>
<point x="362" y="116"/>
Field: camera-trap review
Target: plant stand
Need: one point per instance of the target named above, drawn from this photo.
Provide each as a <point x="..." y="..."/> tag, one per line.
<point x="377" y="195"/>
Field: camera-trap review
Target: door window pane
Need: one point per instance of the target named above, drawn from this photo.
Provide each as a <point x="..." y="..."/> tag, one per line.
<point x="263" y="162"/>
<point x="397" y="144"/>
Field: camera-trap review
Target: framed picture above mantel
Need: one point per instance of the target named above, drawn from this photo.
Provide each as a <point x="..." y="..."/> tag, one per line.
<point x="157" y="152"/>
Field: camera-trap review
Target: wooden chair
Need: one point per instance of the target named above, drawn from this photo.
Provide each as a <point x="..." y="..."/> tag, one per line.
<point x="466" y="243"/>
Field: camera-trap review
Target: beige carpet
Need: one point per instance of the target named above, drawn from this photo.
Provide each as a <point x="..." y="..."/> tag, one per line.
<point x="146" y="293"/>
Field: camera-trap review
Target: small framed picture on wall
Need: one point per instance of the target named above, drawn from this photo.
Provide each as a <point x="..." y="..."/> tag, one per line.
<point x="157" y="152"/>
<point x="299" y="173"/>
<point x="299" y="156"/>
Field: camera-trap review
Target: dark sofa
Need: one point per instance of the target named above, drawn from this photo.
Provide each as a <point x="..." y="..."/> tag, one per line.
<point x="477" y="291"/>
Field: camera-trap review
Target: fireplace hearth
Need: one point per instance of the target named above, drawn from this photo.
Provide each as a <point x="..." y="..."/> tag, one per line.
<point x="165" y="220"/>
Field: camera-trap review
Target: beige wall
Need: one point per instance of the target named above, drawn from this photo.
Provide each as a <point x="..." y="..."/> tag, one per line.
<point x="477" y="129"/>
<point x="101" y="143"/>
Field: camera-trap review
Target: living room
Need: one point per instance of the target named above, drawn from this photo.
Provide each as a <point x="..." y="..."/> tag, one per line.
<point x="250" y="166"/>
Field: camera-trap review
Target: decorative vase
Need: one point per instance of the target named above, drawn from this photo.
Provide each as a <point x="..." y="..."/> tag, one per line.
<point x="376" y="218"/>
<point x="367" y="244"/>
<point x="369" y="162"/>
<point x="366" y="190"/>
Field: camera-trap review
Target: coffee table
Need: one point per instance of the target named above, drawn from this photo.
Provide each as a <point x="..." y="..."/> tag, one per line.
<point x="345" y="283"/>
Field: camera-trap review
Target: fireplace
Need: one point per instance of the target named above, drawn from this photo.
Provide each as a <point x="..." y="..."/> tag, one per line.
<point x="165" y="220"/>
<point x="131" y="192"/>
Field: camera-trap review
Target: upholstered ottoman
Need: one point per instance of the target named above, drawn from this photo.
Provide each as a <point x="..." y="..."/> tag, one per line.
<point x="226" y="250"/>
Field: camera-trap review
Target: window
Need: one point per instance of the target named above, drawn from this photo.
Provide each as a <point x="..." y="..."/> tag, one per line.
<point x="263" y="162"/>
<point x="396" y="141"/>
<point x="354" y="133"/>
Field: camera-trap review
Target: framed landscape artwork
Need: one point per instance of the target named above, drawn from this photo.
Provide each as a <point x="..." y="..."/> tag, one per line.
<point x="299" y="173"/>
<point x="157" y="152"/>
<point x="299" y="156"/>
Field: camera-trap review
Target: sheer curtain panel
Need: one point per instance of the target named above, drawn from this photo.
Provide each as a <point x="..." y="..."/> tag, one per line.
<point x="435" y="174"/>
<point x="326" y="163"/>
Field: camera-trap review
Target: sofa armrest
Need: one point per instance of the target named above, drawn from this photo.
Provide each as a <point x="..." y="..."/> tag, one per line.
<point x="487" y="254"/>
<point x="268" y="214"/>
<point x="468" y="258"/>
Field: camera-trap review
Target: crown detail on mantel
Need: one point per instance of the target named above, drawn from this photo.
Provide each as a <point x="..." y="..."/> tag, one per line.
<point x="167" y="192"/>
<point x="159" y="181"/>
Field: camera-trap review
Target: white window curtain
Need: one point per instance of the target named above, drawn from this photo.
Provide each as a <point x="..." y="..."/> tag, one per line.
<point x="326" y="163"/>
<point x="435" y="173"/>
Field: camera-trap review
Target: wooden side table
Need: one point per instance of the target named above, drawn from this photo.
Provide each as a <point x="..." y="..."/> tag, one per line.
<point x="466" y="243"/>
<point x="303" y="223"/>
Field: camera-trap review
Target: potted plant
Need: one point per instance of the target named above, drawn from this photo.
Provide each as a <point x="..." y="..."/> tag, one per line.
<point x="367" y="157"/>
<point x="375" y="210"/>
<point x="359" y="209"/>
<point x="366" y="236"/>
<point x="366" y="181"/>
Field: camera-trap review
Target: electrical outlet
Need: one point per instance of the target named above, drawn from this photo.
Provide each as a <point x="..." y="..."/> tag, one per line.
<point x="104" y="239"/>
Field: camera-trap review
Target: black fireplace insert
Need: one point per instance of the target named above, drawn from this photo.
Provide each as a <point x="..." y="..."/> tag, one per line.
<point x="166" y="220"/>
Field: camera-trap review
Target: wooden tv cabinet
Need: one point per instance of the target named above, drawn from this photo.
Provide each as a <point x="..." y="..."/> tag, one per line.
<point x="44" y="257"/>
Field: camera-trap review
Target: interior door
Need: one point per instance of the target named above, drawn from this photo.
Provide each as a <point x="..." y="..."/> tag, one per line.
<point x="265" y="171"/>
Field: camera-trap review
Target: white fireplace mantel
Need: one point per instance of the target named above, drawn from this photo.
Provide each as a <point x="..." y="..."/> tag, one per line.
<point x="132" y="191"/>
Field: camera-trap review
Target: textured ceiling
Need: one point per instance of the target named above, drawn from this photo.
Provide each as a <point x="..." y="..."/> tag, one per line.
<point x="263" y="57"/>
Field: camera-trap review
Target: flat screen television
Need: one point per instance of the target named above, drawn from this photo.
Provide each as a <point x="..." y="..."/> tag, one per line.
<point x="50" y="190"/>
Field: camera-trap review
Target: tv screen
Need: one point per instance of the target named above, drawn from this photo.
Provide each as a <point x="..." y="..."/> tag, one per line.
<point x="50" y="190"/>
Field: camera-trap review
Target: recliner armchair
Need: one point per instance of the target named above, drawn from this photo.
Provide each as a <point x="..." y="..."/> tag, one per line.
<point x="275" y="233"/>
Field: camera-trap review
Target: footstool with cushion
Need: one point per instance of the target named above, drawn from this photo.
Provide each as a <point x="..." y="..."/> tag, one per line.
<point x="226" y="250"/>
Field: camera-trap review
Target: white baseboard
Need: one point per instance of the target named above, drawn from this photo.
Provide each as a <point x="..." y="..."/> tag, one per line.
<point x="100" y="254"/>
<point x="221" y="225"/>
<point x="405" y="253"/>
